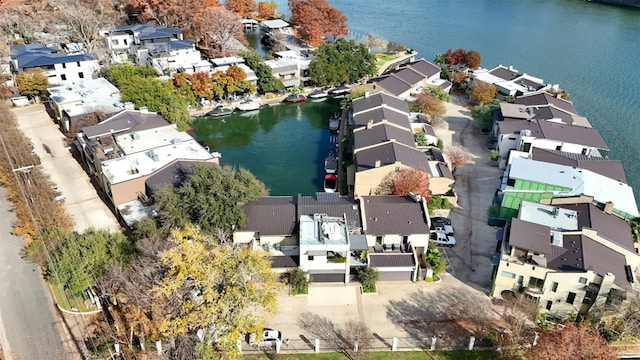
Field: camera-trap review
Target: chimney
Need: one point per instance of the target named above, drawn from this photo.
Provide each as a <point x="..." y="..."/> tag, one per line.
<point x="369" y="124"/>
<point x="366" y="94"/>
<point x="392" y="140"/>
<point x="143" y="110"/>
<point x="608" y="207"/>
<point x="378" y="163"/>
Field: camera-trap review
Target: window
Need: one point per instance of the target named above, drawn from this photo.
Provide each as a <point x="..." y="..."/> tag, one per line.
<point x="64" y="66"/>
<point x="526" y="147"/>
<point x="63" y="77"/>
<point x="115" y="42"/>
<point x="125" y="41"/>
<point x="583" y="280"/>
<point x="512" y="138"/>
<point x="554" y="287"/>
<point x="405" y="239"/>
<point x="508" y="274"/>
<point x="559" y="147"/>
<point x="536" y="283"/>
<point x="511" y="182"/>
<point x="81" y="75"/>
<point x="378" y="240"/>
<point x="584" y="151"/>
<point x="571" y="297"/>
<point x="549" y="303"/>
<point x="78" y="63"/>
<point x="310" y="257"/>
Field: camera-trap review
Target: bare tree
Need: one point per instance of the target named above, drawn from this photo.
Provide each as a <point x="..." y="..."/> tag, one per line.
<point x="83" y="24"/>
<point x="341" y="338"/>
<point x="457" y="156"/>
<point x="518" y="317"/>
<point x="220" y="30"/>
<point x="372" y="41"/>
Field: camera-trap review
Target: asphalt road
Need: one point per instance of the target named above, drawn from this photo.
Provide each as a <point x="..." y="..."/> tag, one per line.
<point x="29" y="328"/>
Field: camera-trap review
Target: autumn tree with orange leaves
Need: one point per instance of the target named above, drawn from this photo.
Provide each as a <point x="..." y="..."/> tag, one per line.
<point x="266" y="10"/>
<point x="571" y="342"/>
<point x="242" y="7"/>
<point x="405" y="181"/>
<point x="455" y="57"/>
<point x="429" y="105"/>
<point x="171" y="13"/>
<point x="316" y="20"/>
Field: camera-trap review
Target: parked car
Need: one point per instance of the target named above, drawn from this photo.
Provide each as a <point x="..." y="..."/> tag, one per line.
<point x="270" y="339"/>
<point x="442" y="239"/>
<point x="442" y="224"/>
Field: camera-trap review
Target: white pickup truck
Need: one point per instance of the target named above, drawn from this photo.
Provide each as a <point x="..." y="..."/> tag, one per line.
<point x="440" y="238"/>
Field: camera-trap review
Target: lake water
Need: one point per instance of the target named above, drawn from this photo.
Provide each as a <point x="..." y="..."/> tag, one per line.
<point x="284" y="146"/>
<point x="590" y="49"/>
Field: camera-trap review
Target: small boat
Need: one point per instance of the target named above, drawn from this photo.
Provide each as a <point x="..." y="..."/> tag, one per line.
<point x="318" y="94"/>
<point x="248" y="105"/>
<point x="334" y="123"/>
<point x="330" y="163"/>
<point x="219" y="111"/>
<point x="294" y="98"/>
<point x="330" y="183"/>
<point x="340" y="90"/>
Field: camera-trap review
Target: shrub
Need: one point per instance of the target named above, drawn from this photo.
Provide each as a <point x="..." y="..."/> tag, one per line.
<point x="420" y="138"/>
<point x="368" y="278"/>
<point x="298" y="281"/>
<point x="440" y="144"/>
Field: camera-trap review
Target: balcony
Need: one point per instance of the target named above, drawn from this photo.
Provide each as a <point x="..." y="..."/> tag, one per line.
<point x="533" y="291"/>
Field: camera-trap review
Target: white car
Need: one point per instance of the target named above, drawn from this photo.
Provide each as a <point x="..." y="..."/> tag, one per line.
<point x="270" y="339"/>
<point x="440" y="238"/>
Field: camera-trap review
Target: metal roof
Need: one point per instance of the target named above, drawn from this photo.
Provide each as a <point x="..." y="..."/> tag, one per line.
<point x="611" y="168"/>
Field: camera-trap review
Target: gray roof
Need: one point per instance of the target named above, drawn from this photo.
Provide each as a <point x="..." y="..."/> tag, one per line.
<point x="445" y="171"/>
<point x="573" y="134"/>
<point x="602" y="260"/>
<point x="434" y="154"/>
<point x="611" y="168"/>
<point x="331" y="204"/>
<point x="507" y="127"/>
<point x="145" y="31"/>
<point x="378" y="99"/>
<point x="544" y="98"/>
<point x="381" y="133"/>
<point x="394" y="85"/>
<point x="390" y="214"/>
<point x="382" y="113"/>
<point x="530" y="84"/>
<point x="410" y="76"/>
<point x="391" y="260"/>
<point x="284" y="261"/>
<point x="272" y="215"/>
<point x="390" y="153"/>
<point x="424" y="67"/>
<point x="32" y="56"/>
<point x="170" y="45"/>
<point x="127" y="120"/>
<point x="173" y="174"/>
<point x="505" y="73"/>
<point x="530" y="236"/>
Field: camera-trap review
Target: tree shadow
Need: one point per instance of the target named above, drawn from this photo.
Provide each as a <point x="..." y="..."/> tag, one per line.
<point x="452" y="316"/>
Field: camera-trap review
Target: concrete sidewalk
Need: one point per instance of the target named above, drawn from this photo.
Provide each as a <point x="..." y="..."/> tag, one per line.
<point x="81" y="202"/>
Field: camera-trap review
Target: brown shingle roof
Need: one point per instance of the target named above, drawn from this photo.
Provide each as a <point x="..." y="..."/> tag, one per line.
<point x="378" y="99"/>
<point x="573" y="134"/>
<point x="380" y="133"/>
<point x="424" y="67"/>
<point x="389" y="153"/>
<point x="603" y="260"/>
<point x="544" y="98"/>
<point x="284" y="261"/>
<point x="331" y="204"/>
<point x="394" y="85"/>
<point x="610" y="168"/>
<point x="272" y="215"/>
<point x="127" y="120"/>
<point x="505" y="73"/>
<point x="390" y="214"/>
<point x="530" y="236"/>
<point x="391" y="260"/>
<point x="382" y="113"/>
<point x="410" y="76"/>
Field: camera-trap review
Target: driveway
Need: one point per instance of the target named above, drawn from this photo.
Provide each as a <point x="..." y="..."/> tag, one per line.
<point x="82" y="202"/>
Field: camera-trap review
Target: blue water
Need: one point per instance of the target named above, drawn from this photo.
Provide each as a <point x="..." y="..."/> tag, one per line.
<point x="590" y="49"/>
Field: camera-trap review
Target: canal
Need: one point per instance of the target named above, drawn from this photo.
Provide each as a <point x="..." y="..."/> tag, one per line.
<point x="284" y="145"/>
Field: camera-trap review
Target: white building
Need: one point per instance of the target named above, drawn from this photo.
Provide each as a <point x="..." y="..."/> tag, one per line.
<point x="60" y="67"/>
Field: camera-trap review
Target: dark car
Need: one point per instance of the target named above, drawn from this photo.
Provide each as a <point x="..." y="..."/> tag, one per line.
<point x="441" y="220"/>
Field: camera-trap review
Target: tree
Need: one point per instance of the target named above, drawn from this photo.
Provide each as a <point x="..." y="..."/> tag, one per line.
<point x="220" y="30"/>
<point x="243" y="8"/>
<point x="372" y="41"/>
<point x="221" y="291"/>
<point x="472" y="59"/>
<point x="84" y="258"/>
<point x="316" y="20"/>
<point x="455" y="57"/>
<point x="437" y="92"/>
<point x="368" y="276"/>
<point x="429" y="105"/>
<point x="437" y="262"/>
<point x="483" y="114"/>
<point x="171" y="13"/>
<point x="32" y="83"/>
<point x="266" y="81"/>
<point x="405" y="181"/>
<point x="420" y="138"/>
<point x="266" y="10"/>
<point x="298" y="281"/>
<point x="83" y="24"/>
<point x="458" y="78"/>
<point x="440" y="59"/>
<point x="482" y="92"/>
<point x="572" y="341"/>
<point x="121" y="74"/>
<point x="457" y="156"/>
<point x="210" y="197"/>
<point x="635" y="229"/>
<point x="341" y="62"/>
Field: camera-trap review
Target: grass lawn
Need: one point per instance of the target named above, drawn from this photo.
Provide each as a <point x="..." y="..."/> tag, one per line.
<point x="388" y="355"/>
<point x="384" y="57"/>
<point x="57" y="293"/>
